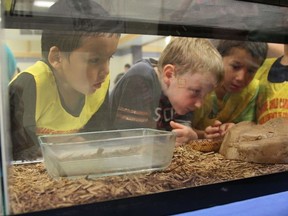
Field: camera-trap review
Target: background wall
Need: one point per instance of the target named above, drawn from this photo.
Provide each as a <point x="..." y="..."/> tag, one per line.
<point x="25" y="45"/>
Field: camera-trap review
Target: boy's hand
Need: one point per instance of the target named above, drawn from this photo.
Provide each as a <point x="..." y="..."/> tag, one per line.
<point x="217" y="130"/>
<point x="225" y="127"/>
<point x="183" y="133"/>
<point x="213" y="131"/>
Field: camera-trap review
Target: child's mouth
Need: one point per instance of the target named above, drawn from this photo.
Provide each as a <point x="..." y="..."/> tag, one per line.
<point x="97" y="85"/>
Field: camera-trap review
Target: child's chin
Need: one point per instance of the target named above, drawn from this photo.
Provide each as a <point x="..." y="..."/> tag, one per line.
<point x="91" y="91"/>
<point x="236" y="90"/>
<point x="182" y="112"/>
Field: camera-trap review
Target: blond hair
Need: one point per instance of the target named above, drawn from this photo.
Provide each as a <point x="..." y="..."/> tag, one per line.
<point x="194" y="55"/>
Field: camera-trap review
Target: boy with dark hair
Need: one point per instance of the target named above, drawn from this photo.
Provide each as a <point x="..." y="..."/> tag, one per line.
<point x="67" y="91"/>
<point x="235" y="99"/>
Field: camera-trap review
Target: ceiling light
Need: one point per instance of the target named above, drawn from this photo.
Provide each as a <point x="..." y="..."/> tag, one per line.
<point x="167" y="40"/>
<point x="43" y="3"/>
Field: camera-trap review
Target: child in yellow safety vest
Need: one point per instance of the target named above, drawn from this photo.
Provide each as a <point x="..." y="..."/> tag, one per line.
<point x="235" y="100"/>
<point x="66" y="91"/>
<point x="272" y="101"/>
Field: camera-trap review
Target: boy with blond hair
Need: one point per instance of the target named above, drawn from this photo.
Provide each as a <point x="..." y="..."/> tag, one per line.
<point x="162" y="94"/>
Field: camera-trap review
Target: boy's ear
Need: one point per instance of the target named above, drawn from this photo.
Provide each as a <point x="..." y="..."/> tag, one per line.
<point x="54" y="57"/>
<point x="168" y="73"/>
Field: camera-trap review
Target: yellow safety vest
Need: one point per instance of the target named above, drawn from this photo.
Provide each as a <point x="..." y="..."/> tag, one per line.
<point x="50" y="116"/>
<point x="272" y="101"/>
<point x="229" y="109"/>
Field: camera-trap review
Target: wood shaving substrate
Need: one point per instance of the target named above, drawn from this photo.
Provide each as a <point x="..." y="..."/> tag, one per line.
<point x="31" y="189"/>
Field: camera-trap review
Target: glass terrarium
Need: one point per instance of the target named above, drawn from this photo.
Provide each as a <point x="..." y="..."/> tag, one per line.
<point x="158" y="177"/>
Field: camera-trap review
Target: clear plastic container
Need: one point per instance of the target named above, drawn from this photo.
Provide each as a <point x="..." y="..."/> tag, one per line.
<point x="104" y="153"/>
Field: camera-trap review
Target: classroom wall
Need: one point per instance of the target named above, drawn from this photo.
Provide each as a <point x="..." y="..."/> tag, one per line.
<point x="27" y="50"/>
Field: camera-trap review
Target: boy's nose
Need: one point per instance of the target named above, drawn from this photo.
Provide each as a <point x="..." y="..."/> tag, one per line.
<point x="198" y="103"/>
<point x="241" y="75"/>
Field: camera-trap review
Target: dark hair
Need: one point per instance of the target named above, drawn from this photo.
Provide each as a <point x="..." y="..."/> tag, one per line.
<point x="127" y="65"/>
<point x="257" y="50"/>
<point x="81" y="20"/>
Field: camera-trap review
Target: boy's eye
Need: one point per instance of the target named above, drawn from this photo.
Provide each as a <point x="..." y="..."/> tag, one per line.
<point x="235" y="67"/>
<point x="93" y="61"/>
<point x="96" y="60"/>
<point x="195" y="92"/>
<point x="252" y="70"/>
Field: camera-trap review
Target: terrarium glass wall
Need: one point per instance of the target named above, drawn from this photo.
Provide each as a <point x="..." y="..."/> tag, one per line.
<point x="146" y="27"/>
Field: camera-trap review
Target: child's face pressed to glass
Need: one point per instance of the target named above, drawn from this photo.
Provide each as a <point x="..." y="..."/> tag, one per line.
<point x="88" y="66"/>
<point x="240" y="68"/>
<point x="186" y="92"/>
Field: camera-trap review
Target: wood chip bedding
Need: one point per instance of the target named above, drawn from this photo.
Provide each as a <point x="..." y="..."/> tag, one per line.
<point x="31" y="189"/>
